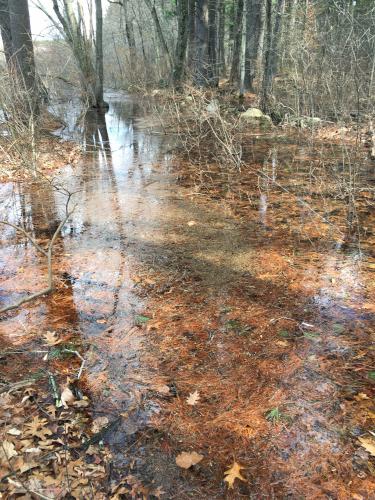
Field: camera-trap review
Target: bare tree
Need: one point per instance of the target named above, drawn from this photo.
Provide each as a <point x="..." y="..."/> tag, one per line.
<point x="19" y="49"/>
<point x="235" y="68"/>
<point x="85" y="43"/>
<point x="201" y="45"/>
<point x="99" y="101"/>
<point x="154" y="14"/>
<point x="253" y="31"/>
<point x="182" y="40"/>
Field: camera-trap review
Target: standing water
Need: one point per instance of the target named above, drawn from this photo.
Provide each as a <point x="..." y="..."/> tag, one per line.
<point x="264" y="315"/>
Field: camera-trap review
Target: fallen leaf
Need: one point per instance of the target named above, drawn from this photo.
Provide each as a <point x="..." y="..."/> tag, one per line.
<point x="187" y="459"/>
<point x="33" y="450"/>
<point x="7" y="451"/>
<point x="98" y="424"/>
<point x="82" y="403"/>
<point x="282" y="343"/>
<point x="38" y="427"/>
<point x="193" y="398"/>
<point x="14" y="432"/>
<point x="67" y="397"/>
<point x="232" y="474"/>
<point x="361" y="396"/>
<point x="368" y="444"/>
<point x="51" y="338"/>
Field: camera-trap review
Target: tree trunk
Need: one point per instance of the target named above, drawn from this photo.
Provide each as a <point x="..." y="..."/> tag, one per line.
<point x="201" y="35"/>
<point x="212" y="78"/>
<point x="191" y="34"/>
<point x="276" y="36"/>
<point x="235" y="68"/>
<point x="99" y="55"/>
<point x="163" y="43"/>
<point x="221" y="37"/>
<point x="130" y="36"/>
<point x="23" y="50"/>
<point x="290" y="35"/>
<point x="267" y="72"/>
<point x="182" y="39"/>
<point x="6" y="31"/>
<point x="81" y="45"/>
<point x="253" y="30"/>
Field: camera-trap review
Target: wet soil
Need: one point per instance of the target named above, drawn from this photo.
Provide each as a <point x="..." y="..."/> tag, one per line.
<point x="256" y="293"/>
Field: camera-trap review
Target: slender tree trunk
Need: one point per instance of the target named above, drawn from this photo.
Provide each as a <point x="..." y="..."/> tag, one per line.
<point x="130" y="36"/>
<point x="6" y="35"/>
<point x="79" y="40"/>
<point x="235" y="68"/>
<point x="253" y="30"/>
<point x="182" y="40"/>
<point x="99" y="55"/>
<point x="276" y="36"/>
<point x="201" y="38"/>
<point x="191" y="34"/>
<point x="221" y="37"/>
<point x="267" y="72"/>
<point x="163" y="43"/>
<point x="212" y="78"/>
<point x="290" y="30"/>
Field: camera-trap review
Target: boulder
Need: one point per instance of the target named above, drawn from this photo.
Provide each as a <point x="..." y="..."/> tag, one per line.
<point x="256" y="118"/>
<point x="310" y="121"/>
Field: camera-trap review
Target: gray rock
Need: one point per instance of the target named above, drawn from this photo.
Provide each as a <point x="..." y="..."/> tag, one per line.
<point x="256" y="118"/>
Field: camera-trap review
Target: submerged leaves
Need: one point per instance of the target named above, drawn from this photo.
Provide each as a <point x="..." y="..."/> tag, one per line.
<point x="186" y="459"/>
<point x="193" y="398"/>
<point x="368" y="444"/>
<point x="233" y="473"/>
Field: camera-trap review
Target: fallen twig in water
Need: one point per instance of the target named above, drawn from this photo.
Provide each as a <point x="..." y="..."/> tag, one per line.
<point x="46" y="252"/>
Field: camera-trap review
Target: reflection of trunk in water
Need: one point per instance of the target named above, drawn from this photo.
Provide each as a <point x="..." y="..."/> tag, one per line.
<point x="95" y="132"/>
<point x="41" y="214"/>
<point x="37" y="213"/>
<point x="96" y="136"/>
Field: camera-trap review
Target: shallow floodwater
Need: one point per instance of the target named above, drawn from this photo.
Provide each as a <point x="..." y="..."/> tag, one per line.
<point x="174" y="291"/>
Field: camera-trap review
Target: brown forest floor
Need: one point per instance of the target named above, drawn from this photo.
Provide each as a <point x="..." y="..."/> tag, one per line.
<point x="233" y="291"/>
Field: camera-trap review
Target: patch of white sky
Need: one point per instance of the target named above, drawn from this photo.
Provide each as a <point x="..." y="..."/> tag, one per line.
<point x="42" y="27"/>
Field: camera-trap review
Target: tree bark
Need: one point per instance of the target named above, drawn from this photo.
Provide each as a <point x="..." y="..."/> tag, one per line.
<point x="191" y="33"/>
<point x="130" y="36"/>
<point x="276" y="36"/>
<point x="235" y="68"/>
<point x="80" y="43"/>
<point x="163" y="43"/>
<point x="212" y="78"/>
<point x="253" y="30"/>
<point x="201" y="45"/>
<point x="22" y="59"/>
<point x="182" y="40"/>
<point x="6" y="34"/>
<point x="99" y="101"/>
<point x="221" y="37"/>
<point x="267" y="72"/>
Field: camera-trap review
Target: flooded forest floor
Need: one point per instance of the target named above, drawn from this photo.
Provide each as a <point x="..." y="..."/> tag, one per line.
<point x="225" y="314"/>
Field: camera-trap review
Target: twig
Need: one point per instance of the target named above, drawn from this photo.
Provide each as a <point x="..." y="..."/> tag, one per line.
<point x="16" y="386"/>
<point x="47" y="253"/>
<point x="81" y="358"/>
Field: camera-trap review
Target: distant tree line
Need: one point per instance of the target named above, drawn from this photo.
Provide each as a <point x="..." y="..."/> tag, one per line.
<point x="299" y="56"/>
